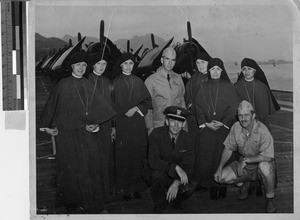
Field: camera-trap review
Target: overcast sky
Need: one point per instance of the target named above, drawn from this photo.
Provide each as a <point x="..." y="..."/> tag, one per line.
<point x="261" y="31"/>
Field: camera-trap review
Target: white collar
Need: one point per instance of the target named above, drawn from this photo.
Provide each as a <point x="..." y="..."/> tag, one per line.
<point x="98" y="74"/>
<point x="127" y="74"/>
<point x="249" y="80"/>
<point x="78" y="77"/>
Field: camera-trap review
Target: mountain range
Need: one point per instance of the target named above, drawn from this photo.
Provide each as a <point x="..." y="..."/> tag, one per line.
<point x="44" y="46"/>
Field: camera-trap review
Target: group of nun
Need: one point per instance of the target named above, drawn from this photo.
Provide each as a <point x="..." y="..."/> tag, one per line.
<point x="100" y="132"/>
<point x="213" y="100"/>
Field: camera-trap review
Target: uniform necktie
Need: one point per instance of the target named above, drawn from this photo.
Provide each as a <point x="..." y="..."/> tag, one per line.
<point x="173" y="142"/>
<point x="168" y="77"/>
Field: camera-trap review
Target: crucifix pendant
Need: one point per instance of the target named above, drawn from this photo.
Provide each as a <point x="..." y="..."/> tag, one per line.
<point x="214" y="113"/>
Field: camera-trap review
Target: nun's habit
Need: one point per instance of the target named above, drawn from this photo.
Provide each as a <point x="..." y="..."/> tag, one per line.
<point x="131" y="133"/>
<point x="216" y="100"/>
<point x="257" y="92"/>
<point x="71" y="106"/>
<point x="103" y="85"/>
<point x="191" y="89"/>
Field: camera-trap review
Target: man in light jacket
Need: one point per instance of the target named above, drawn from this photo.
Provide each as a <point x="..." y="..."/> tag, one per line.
<point x="166" y="88"/>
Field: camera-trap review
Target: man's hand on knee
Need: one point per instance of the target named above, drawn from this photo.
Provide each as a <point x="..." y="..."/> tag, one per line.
<point x="218" y="175"/>
<point x="172" y="191"/>
<point x="241" y="165"/>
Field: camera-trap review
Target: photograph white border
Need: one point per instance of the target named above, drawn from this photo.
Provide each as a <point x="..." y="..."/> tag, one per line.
<point x="32" y="114"/>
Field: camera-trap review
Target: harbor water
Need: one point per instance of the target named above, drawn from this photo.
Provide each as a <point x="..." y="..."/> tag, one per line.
<point x="280" y="76"/>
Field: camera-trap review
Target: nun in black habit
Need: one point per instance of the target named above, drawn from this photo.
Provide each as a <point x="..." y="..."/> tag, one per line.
<point x="98" y="76"/>
<point x="132" y="101"/>
<point x="215" y="104"/>
<point x="252" y="85"/>
<point x="191" y="90"/>
<point x="74" y="113"/>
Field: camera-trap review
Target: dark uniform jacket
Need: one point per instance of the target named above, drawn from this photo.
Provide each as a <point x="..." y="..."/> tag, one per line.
<point x="163" y="157"/>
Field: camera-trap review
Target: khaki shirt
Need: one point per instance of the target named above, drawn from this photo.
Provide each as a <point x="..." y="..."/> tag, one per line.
<point x="258" y="142"/>
<point x="164" y="93"/>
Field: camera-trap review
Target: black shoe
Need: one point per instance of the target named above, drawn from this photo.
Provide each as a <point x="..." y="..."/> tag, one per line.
<point x="214" y="193"/>
<point x="104" y="211"/>
<point x="137" y="195"/>
<point x="81" y="210"/>
<point x="176" y="205"/>
<point x="223" y="192"/>
<point x="258" y="191"/>
<point x="251" y="189"/>
<point x="199" y="188"/>
<point x="244" y="191"/>
<point x="75" y="209"/>
<point x="157" y="210"/>
<point x="128" y="197"/>
<point x="270" y="207"/>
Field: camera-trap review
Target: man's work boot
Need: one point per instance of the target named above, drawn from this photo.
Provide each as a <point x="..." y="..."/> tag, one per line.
<point x="270" y="208"/>
<point x="222" y="192"/>
<point x="244" y="191"/>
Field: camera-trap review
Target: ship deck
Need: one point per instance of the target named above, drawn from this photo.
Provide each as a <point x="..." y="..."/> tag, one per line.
<point x="282" y="130"/>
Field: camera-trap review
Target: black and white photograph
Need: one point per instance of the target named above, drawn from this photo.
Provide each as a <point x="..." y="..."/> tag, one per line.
<point x="160" y="109"/>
